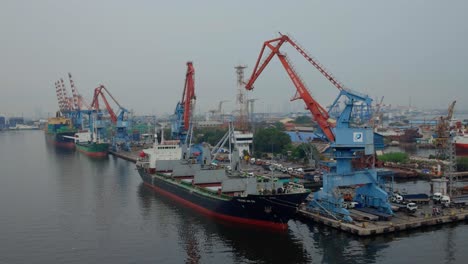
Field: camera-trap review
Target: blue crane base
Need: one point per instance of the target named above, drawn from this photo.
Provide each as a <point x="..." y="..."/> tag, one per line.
<point x="121" y="140"/>
<point x="329" y="201"/>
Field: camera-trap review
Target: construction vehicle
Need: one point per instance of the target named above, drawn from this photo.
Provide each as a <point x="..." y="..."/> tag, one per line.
<point x="349" y="137"/>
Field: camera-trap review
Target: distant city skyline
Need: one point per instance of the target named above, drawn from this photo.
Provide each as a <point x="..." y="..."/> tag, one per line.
<point x="407" y="51"/>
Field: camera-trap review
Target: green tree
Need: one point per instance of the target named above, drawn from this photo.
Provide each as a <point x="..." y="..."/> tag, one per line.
<point x="271" y="139"/>
<point x="209" y="135"/>
<point x="394" y="157"/>
<point x="299" y="152"/>
<point x="303" y="120"/>
<point x="279" y="126"/>
<point x="462" y="164"/>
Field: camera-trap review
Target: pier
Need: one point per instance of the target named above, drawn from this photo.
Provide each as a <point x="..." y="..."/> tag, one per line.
<point x="399" y="222"/>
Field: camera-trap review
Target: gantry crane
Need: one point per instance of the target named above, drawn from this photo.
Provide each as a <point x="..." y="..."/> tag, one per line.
<point x="121" y="139"/>
<point x="349" y="142"/>
<point x="181" y="123"/>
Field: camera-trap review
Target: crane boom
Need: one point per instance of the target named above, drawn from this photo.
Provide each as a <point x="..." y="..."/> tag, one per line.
<point x="318" y="112"/>
<point x="315" y="63"/>
<point x="450" y="111"/>
<point x="188" y="94"/>
<point x="66" y="99"/>
<point x="59" y="96"/>
<point x="74" y="93"/>
<point x="99" y="91"/>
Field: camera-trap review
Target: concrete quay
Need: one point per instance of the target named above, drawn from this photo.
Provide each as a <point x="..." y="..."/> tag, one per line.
<point x="401" y="221"/>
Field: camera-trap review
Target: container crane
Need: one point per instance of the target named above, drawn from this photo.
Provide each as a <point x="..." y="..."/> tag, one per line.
<point x="121" y="139"/>
<point x="181" y="124"/>
<point x="347" y="141"/>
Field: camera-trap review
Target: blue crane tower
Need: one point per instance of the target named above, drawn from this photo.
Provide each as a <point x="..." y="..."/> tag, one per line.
<point x="350" y="138"/>
<point x="121" y="139"/>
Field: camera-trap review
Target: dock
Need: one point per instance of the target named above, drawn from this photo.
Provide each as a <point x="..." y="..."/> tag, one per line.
<point x="399" y="222"/>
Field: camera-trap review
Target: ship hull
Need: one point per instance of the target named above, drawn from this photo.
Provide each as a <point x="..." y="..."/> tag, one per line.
<point x="461" y="149"/>
<point x="266" y="211"/>
<point x="97" y="150"/>
<point x="461" y="145"/>
<point x="59" y="140"/>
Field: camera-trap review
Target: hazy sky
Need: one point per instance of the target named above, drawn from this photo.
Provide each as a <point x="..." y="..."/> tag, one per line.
<point x="404" y="50"/>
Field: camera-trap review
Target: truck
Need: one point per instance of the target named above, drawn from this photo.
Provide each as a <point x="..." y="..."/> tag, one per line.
<point x="460" y="201"/>
<point x="436" y="197"/>
<point x="411" y="208"/>
<point x="396" y="198"/>
<point x="445" y="201"/>
<point x="416" y="198"/>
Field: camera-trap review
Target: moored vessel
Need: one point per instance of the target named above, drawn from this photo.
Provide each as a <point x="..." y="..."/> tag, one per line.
<point x="60" y="132"/>
<point x="216" y="192"/>
<point x="93" y="149"/>
<point x="91" y="143"/>
<point x="461" y="144"/>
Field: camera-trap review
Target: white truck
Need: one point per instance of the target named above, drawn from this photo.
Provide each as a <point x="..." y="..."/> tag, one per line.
<point x="411" y="208"/>
<point x="445" y="201"/>
<point x="436" y="197"/>
<point x="396" y="198"/>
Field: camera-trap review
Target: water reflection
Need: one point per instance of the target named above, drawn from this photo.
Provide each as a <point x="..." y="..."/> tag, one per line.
<point x="198" y="232"/>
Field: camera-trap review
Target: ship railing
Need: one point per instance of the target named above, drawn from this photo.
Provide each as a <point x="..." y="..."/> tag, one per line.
<point x="203" y="190"/>
<point x="142" y="163"/>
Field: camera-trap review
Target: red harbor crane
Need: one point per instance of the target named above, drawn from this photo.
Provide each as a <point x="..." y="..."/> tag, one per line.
<point x="318" y="112"/>
<point x="184" y="108"/>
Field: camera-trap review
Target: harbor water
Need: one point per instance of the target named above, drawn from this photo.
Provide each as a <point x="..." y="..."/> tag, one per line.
<point x="60" y="206"/>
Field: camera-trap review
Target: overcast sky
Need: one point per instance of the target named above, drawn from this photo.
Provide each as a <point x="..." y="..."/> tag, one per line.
<point x="408" y="51"/>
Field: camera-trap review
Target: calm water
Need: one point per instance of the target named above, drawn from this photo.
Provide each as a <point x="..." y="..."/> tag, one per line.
<point x="63" y="207"/>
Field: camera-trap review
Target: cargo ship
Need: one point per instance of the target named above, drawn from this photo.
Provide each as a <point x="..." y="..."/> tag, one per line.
<point x="217" y="192"/>
<point x="90" y="145"/>
<point x="60" y="132"/>
<point x="461" y="145"/>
